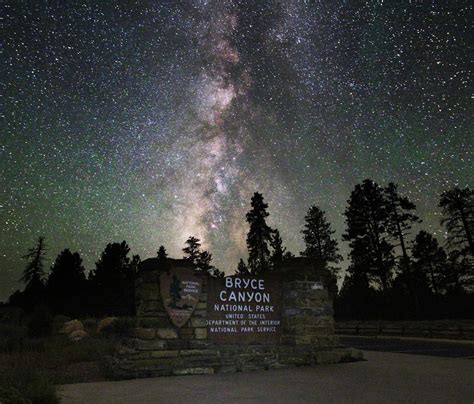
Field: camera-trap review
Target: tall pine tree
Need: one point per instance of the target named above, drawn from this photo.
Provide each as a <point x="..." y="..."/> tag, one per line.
<point x="192" y="251"/>
<point x="200" y="258"/>
<point x="66" y="283"/>
<point x="278" y="251"/>
<point x="113" y="281"/>
<point x="317" y="235"/>
<point x="259" y="236"/>
<point x="458" y="211"/>
<point x="400" y="217"/>
<point x="366" y="220"/>
<point x="430" y="258"/>
<point x="34" y="272"/>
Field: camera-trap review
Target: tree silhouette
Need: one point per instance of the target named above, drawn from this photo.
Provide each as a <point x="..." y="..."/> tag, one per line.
<point x="259" y="235"/>
<point x="317" y="235"/>
<point x="204" y="261"/>
<point x="355" y="299"/>
<point x="458" y="210"/>
<point x="278" y="251"/>
<point x="366" y="220"/>
<point x="192" y="250"/>
<point x="216" y="273"/>
<point x="431" y="259"/>
<point x="200" y="258"/>
<point x="66" y="283"/>
<point x="242" y="268"/>
<point x="34" y="272"/>
<point x="400" y="217"/>
<point x="33" y="294"/>
<point x="162" y="254"/>
<point x="113" y="280"/>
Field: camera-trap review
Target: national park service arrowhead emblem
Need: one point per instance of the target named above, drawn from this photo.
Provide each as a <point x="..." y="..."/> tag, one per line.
<point x="180" y="289"/>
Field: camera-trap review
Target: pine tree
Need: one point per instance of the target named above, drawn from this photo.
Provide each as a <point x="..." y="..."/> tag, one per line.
<point x="366" y="219"/>
<point x="192" y="250"/>
<point x="400" y="217"/>
<point x="242" y="268"/>
<point x="317" y="235"/>
<point x="66" y="283"/>
<point x="113" y="280"/>
<point x="204" y="261"/>
<point x="431" y="259"/>
<point x="201" y="259"/>
<point x="458" y="210"/>
<point x="278" y="251"/>
<point x="34" y="271"/>
<point x="259" y="236"/>
<point x="161" y="254"/>
<point x="399" y="222"/>
<point x="217" y="273"/>
<point x="175" y="290"/>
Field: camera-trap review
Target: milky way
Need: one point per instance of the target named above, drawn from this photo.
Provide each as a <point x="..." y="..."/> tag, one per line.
<point x="154" y="121"/>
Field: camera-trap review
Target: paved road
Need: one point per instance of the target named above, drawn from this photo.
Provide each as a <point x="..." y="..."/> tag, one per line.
<point x="416" y="346"/>
<point x="383" y="377"/>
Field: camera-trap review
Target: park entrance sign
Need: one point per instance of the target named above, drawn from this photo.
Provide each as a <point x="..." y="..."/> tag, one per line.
<point x="244" y="310"/>
<point x="189" y="322"/>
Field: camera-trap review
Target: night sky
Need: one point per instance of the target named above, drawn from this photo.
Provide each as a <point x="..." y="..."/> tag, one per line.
<point x="151" y="121"/>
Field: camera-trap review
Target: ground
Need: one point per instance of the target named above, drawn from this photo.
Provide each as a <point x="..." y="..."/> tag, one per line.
<point x="384" y="376"/>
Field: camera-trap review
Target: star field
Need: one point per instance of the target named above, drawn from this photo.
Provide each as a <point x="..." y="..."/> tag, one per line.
<point x="151" y="121"/>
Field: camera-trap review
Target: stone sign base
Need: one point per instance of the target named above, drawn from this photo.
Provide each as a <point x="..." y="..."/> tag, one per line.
<point x="158" y="348"/>
<point x="151" y="362"/>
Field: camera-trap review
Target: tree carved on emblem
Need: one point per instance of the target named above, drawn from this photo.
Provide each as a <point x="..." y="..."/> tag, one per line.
<point x="174" y="291"/>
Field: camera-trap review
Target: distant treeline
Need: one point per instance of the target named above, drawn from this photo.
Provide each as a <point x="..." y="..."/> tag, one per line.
<point x="393" y="274"/>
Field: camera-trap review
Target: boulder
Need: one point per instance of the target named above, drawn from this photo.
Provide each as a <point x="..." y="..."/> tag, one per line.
<point x="70" y="326"/>
<point x="105" y="322"/>
<point x="78" y="335"/>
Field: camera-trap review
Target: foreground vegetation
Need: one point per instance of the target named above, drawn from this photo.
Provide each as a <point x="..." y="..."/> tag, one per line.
<point x="34" y="357"/>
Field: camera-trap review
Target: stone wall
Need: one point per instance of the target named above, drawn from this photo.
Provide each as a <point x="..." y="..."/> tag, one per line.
<point x="157" y="348"/>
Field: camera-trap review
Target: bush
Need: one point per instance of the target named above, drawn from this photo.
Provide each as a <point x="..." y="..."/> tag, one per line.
<point x="58" y="322"/>
<point x="24" y="384"/>
<point x="90" y="325"/>
<point x="12" y="338"/>
<point x="121" y="327"/>
<point x="40" y="323"/>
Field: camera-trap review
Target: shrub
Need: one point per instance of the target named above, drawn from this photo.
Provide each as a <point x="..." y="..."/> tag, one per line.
<point x="90" y="325"/>
<point x="120" y="327"/>
<point x="24" y="384"/>
<point x="40" y="323"/>
<point x="58" y="322"/>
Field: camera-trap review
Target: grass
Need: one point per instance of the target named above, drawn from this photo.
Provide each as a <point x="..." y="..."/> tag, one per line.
<point x="24" y="382"/>
<point x="30" y="367"/>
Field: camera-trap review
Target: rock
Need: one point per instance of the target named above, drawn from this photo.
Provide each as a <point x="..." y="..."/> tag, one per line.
<point x="166" y="333"/>
<point x="78" y="335"/>
<point x="164" y="354"/>
<point x="70" y="326"/>
<point x="105" y="322"/>
<point x="200" y="333"/>
<point x="193" y="371"/>
<point x="144" y="333"/>
<point x="198" y="322"/>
